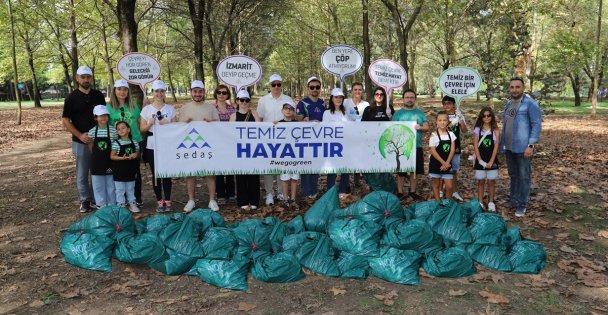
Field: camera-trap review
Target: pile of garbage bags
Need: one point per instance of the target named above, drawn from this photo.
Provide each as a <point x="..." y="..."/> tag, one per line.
<point x="373" y="236"/>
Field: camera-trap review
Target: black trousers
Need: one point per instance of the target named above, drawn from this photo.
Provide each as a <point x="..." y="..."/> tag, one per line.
<point x="224" y="185"/>
<point x="160" y="185"/>
<point x="248" y="190"/>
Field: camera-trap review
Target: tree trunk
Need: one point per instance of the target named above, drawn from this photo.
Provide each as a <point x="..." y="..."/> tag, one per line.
<point x="30" y="62"/>
<point x="575" y="80"/>
<point x="14" y="57"/>
<point x="74" y="42"/>
<point x="66" y="71"/>
<point x="366" y="50"/>
<point x="127" y="31"/>
<point x="197" y="14"/>
<point x="106" y="54"/>
<point x="598" y="58"/>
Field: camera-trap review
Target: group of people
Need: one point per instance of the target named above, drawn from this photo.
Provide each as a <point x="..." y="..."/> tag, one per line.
<point x="108" y="141"/>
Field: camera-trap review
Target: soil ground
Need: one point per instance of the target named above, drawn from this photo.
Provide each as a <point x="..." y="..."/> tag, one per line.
<point x="568" y="215"/>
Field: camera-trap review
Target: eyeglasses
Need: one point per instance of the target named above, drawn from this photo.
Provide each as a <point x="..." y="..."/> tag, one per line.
<point x="276" y="84"/>
<point x="378" y="94"/>
<point x="246" y="100"/>
<point x="315" y="87"/>
<point x="222" y="93"/>
<point x="288" y="108"/>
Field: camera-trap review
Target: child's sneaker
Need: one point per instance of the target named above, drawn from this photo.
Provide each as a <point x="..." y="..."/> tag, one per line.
<point x="189" y="206"/>
<point x="457" y="196"/>
<point x="252" y="207"/>
<point x="85" y="206"/>
<point x="161" y="206"/>
<point x="221" y="201"/>
<point x="133" y="208"/>
<point x="491" y="207"/>
<point x="482" y="206"/>
<point x="213" y="206"/>
<point x="520" y="212"/>
<point x="286" y="203"/>
<point x="269" y="200"/>
<point x="168" y="205"/>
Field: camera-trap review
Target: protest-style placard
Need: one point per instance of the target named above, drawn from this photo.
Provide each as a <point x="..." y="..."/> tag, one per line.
<point x="341" y="60"/>
<point x="459" y="82"/>
<point x="239" y="71"/>
<point x="138" y="68"/>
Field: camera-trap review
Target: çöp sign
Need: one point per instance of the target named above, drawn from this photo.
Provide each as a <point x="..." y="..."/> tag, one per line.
<point x="239" y="71"/>
<point x="459" y="82"/>
<point x="341" y="60"/>
<point x="138" y="68"/>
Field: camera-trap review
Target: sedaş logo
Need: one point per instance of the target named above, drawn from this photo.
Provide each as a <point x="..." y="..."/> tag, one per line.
<point x="194" y="146"/>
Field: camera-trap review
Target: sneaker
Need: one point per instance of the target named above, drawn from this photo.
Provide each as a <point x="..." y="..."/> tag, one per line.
<point x="213" y="205"/>
<point x="253" y="207"/>
<point x="441" y="194"/>
<point x="133" y="208"/>
<point x="457" y="196"/>
<point x="492" y="207"/>
<point x="161" y="206"/>
<point x="94" y="205"/>
<point x="232" y="199"/>
<point x="482" y="206"/>
<point x="312" y="197"/>
<point x="245" y="207"/>
<point x="520" y="212"/>
<point x="139" y="203"/>
<point x="280" y="196"/>
<point x="221" y="201"/>
<point x="85" y="206"/>
<point x="168" y="205"/>
<point x="269" y="200"/>
<point x="286" y="203"/>
<point x="189" y="206"/>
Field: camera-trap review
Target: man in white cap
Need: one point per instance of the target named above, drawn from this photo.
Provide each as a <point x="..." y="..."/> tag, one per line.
<point x="270" y="109"/>
<point x="311" y="108"/>
<point x="199" y="110"/>
<point x="78" y="119"/>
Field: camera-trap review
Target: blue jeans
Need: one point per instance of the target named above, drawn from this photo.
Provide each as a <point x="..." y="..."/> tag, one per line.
<point x="344" y="187"/>
<point x="103" y="188"/>
<point x="123" y="188"/>
<point x="519" y="172"/>
<point x="310" y="184"/>
<point x="83" y="169"/>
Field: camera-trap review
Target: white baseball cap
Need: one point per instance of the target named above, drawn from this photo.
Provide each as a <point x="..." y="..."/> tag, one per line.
<point x="84" y="70"/>
<point x="121" y="83"/>
<point x="337" y="92"/>
<point x="313" y="78"/>
<point x="275" y="77"/>
<point x="197" y="84"/>
<point x="290" y="103"/>
<point x="158" y="85"/>
<point x="99" y="110"/>
<point x="243" y="94"/>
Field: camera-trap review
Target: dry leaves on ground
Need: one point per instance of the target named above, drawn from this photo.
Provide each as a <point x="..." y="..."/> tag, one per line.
<point x="387" y="298"/>
<point x="568" y="249"/>
<point x="589" y="273"/>
<point x="457" y="292"/>
<point x="603" y="233"/>
<point x="493" y="298"/>
<point x="246" y="307"/>
<point x="337" y="291"/>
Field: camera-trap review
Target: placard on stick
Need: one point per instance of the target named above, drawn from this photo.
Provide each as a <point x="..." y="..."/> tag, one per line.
<point x="239" y="71"/>
<point x="387" y="74"/>
<point x="341" y="61"/>
<point x="459" y="82"/>
<point x="138" y="68"/>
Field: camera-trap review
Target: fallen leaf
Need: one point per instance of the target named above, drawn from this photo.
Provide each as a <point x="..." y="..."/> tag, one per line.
<point x="493" y="298"/>
<point x="496" y="278"/>
<point x="603" y="233"/>
<point x="50" y="256"/>
<point x="23" y="200"/>
<point x="567" y="249"/>
<point x="387" y="298"/>
<point x="37" y="303"/>
<point x="337" y="291"/>
<point x="586" y="237"/>
<point x="375" y="286"/>
<point x="388" y="302"/>
<point x="457" y="292"/>
<point x="562" y="235"/>
<point x="246" y="307"/>
<point x="70" y="293"/>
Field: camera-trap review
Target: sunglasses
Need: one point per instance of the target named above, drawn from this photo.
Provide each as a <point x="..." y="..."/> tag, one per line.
<point x="379" y="94"/>
<point x="276" y="84"/>
<point x="487" y="116"/>
<point x="288" y="108"/>
<point x="245" y="100"/>
<point x="315" y="87"/>
<point x="222" y="93"/>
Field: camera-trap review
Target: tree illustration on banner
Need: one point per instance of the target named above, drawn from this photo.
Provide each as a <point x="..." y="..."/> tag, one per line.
<point x="397" y="140"/>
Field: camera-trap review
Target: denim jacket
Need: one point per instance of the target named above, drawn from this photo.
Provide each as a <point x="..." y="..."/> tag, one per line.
<point x="526" y="126"/>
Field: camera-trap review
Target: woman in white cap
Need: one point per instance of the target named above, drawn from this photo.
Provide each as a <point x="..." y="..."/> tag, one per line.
<point x="122" y="108"/>
<point x="336" y="112"/>
<point x="247" y="186"/>
<point x="157" y="113"/>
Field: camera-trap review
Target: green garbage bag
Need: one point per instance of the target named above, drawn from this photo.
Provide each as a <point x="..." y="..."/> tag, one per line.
<point x="252" y="235"/>
<point x="353" y="266"/>
<point x="414" y="234"/>
<point x="376" y="206"/>
<point x="153" y="224"/>
<point x="527" y="257"/>
<point x="450" y="222"/>
<point x="490" y="256"/>
<point x="219" y="243"/>
<point x="228" y="274"/>
<point x="512" y="236"/>
<point x="108" y="221"/>
<point x="356" y="237"/>
<point x="295" y="225"/>
<point x="317" y="217"/>
<point x="453" y="262"/>
<point x="396" y="265"/>
<point x="87" y="250"/>
<point x="487" y="229"/>
<point x="381" y="182"/>
<point x="280" y="267"/>
<point x="205" y="219"/>
<point x="181" y="235"/>
<point x="471" y="209"/>
<point x="317" y="255"/>
<point x="277" y="234"/>
<point x="177" y="263"/>
<point x="421" y="210"/>
<point x="144" y="248"/>
<point x="293" y="242"/>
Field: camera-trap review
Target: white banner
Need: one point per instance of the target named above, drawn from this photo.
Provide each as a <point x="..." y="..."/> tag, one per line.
<point x="224" y="148"/>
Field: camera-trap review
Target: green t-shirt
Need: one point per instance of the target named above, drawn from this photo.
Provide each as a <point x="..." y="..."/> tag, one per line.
<point x="131" y="117"/>
<point x="416" y="115"/>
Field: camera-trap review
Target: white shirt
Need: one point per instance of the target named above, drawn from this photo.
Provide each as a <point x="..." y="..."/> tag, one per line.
<point x="434" y="139"/>
<point x="336" y="116"/>
<point x="350" y="109"/>
<point x="167" y="111"/>
<point x="271" y="109"/>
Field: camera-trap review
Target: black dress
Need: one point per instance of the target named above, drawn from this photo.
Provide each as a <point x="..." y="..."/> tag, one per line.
<point x="247" y="186"/>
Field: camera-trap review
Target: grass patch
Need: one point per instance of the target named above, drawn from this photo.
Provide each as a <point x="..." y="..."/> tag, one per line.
<point x="559" y="107"/>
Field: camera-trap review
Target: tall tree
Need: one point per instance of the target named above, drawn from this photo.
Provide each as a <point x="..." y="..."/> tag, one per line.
<point x="14" y="56"/>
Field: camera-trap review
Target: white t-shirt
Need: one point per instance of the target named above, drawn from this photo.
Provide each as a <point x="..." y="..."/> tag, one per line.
<point x="434" y="139"/>
<point x="350" y="109"/>
<point x="271" y="109"/>
<point x="336" y="116"/>
<point x="167" y="112"/>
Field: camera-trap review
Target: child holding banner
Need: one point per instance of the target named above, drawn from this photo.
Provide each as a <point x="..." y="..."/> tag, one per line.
<point x="442" y="144"/>
<point x="247" y="186"/>
<point x="289" y="182"/>
<point x="485" y="145"/>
